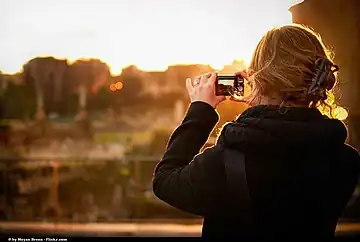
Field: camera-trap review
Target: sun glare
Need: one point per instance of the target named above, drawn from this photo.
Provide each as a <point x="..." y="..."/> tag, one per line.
<point x="332" y="110"/>
<point x="148" y="35"/>
<point x="340" y="113"/>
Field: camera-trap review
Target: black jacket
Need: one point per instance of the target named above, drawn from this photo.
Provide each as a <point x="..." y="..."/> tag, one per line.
<point x="300" y="174"/>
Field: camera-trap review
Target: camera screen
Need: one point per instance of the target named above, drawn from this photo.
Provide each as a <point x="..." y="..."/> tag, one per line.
<point x="225" y="87"/>
<point x="229" y="84"/>
<point x="226" y="82"/>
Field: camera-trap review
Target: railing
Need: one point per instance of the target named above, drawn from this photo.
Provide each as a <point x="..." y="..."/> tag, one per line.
<point x="52" y="174"/>
<point x="39" y="174"/>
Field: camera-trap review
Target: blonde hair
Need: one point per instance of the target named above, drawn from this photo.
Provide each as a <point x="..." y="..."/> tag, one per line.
<point x="283" y="66"/>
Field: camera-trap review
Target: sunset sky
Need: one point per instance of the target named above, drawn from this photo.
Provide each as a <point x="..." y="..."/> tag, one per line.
<point x="151" y="34"/>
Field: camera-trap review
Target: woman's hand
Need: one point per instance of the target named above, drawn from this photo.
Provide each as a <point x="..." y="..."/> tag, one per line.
<point x="203" y="89"/>
<point x="244" y="74"/>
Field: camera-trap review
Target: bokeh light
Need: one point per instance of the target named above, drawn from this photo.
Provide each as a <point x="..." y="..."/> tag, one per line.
<point x="112" y="87"/>
<point x="340" y="113"/>
<point x="116" y="86"/>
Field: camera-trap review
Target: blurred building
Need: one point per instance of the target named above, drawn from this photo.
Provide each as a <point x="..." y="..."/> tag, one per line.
<point x="235" y="66"/>
<point x="155" y="82"/>
<point x="5" y="79"/>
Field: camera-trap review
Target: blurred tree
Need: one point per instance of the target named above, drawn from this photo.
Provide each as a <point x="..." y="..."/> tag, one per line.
<point x="101" y="100"/>
<point x="88" y="76"/>
<point x="131" y="93"/>
<point x="18" y="102"/>
<point x="2" y="91"/>
<point x="168" y="100"/>
<point x="159" y="142"/>
<point x="2" y="80"/>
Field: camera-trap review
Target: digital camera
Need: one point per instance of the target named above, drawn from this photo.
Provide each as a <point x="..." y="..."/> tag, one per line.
<point x="229" y="85"/>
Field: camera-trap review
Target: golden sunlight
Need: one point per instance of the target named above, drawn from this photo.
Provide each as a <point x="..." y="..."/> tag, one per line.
<point x="334" y="111"/>
<point x="146" y="35"/>
<point x="340" y="113"/>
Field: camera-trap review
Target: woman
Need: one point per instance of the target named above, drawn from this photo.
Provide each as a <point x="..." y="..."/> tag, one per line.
<point x="281" y="168"/>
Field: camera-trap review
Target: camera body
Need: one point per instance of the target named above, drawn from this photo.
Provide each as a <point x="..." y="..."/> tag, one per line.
<point x="228" y="85"/>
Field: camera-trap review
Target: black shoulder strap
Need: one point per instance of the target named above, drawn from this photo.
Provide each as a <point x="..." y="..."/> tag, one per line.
<point x="239" y="196"/>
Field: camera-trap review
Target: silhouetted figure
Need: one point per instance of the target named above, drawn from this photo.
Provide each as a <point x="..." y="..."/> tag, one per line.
<point x="282" y="168"/>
